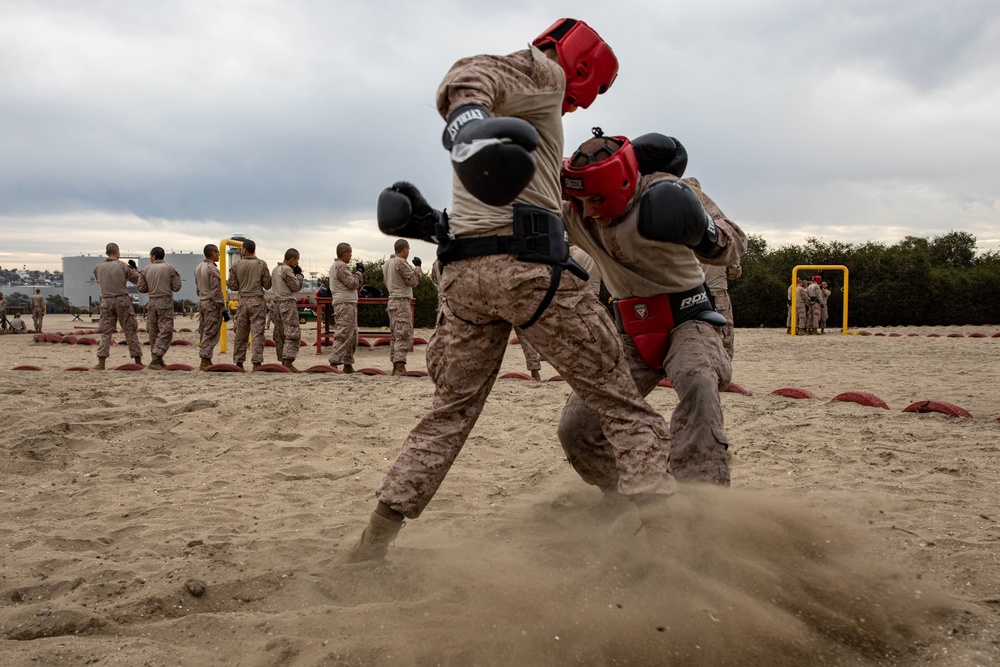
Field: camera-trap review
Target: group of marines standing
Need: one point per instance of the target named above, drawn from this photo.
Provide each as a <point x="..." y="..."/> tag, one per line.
<point x="811" y="313"/>
<point x="248" y="280"/>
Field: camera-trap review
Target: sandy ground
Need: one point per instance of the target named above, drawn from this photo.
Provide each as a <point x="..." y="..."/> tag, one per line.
<point x="180" y="518"/>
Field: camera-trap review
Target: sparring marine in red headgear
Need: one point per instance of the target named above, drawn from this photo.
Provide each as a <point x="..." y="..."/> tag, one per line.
<point x="589" y="63"/>
<point x="611" y="172"/>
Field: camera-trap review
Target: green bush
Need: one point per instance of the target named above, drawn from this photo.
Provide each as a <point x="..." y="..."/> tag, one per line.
<point x="916" y="281"/>
<point x="426" y="294"/>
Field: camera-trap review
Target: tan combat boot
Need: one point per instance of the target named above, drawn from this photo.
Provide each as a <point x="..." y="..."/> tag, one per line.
<point x="348" y="368"/>
<point x="137" y="360"/>
<point x="205" y="363"/>
<point x="255" y="366"/>
<point x="156" y="364"/>
<point x="100" y="363"/>
<point x="290" y="365"/>
<point x="611" y="505"/>
<point x="536" y="376"/>
<point x="398" y="367"/>
<point x="374" y="541"/>
<point x="657" y="521"/>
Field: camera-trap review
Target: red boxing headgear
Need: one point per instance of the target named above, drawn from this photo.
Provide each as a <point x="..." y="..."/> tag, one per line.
<point x="589" y="63"/>
<point x="817" y="279"/>
<point x="614" y="178"/>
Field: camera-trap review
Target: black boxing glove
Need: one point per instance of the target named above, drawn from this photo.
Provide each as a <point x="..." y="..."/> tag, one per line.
<point x="132" y="263"/>
<point x="491" y="156"/>
<point x="416" y="261"/>
<point x="359" y="267"/>
<point x="297" y="269"/>
<point x="670" y="211"/>
<point x="403" y="211"/>
<point x="657" y="152"/>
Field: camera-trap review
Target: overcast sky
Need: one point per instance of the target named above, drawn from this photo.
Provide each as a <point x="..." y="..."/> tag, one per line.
<point x="180" y="123"/>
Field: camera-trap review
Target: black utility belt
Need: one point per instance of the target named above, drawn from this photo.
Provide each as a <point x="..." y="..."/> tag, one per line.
<point x="539" y="237"/>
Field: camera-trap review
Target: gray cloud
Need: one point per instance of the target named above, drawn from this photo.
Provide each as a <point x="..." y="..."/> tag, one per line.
<point x="289" y="118"/>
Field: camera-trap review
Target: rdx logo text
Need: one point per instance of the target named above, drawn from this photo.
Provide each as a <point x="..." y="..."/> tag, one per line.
<point x="694" y="300"/>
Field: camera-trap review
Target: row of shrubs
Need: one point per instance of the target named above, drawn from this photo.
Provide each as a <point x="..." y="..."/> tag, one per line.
<point x="933" y="281"/>
<point x="939" y="281"/>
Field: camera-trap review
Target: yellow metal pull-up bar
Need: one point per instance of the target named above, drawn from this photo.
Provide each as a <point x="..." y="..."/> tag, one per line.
<point x="817" y="267"/>
<point x="225" y="299"/>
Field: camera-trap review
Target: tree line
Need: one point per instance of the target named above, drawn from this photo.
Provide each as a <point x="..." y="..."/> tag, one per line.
<point x="933" y="281"/>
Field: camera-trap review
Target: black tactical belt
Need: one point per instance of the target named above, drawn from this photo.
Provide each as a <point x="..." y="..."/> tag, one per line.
<point x="539" y="238"/>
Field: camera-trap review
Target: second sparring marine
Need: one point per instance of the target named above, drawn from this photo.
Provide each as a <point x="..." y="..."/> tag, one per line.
<point x="649" y="234"/>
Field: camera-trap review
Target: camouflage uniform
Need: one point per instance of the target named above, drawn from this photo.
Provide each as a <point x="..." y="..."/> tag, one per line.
<point x="436" y="279"/>
<point x="287" y="333"/>
<point x="249" y="277"/>
<point x="208" y="282"/>
<point x="270" y="312"/>
<point x="4" y="322"/>
<point x="788" y="308"/>
<point x="113" y="275"/>
<point x="801" y="311"/>
<point x="37" y="310"/>
<point x="531" y="358"/>
<point x="588" y="263"/>
<point x="484" y="296"/>
<point x="400" y="279"/>
<point x="824" y="297"/>
<point x="814" y="307"/>
<point x="160" y="280"/>
<point x="344" y="286"/>
<point x="696" y="362"/>
<point x="718" y="277"/>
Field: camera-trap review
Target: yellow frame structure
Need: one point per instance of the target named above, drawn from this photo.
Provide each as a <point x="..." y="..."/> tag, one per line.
<point x="225" y="299"/>
<point x="818" y="267"/>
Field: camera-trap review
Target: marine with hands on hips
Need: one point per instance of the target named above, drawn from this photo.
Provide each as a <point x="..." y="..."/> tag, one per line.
<point x="649" y="233"/>
<point x="505" y="262"/>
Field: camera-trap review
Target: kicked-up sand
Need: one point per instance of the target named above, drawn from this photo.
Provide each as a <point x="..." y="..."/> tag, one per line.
<point x="187" y="518"/>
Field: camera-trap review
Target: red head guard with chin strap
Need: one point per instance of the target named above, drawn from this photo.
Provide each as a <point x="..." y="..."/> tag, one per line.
<point x="609" y="172"/>
<point x="589" y="63"/>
